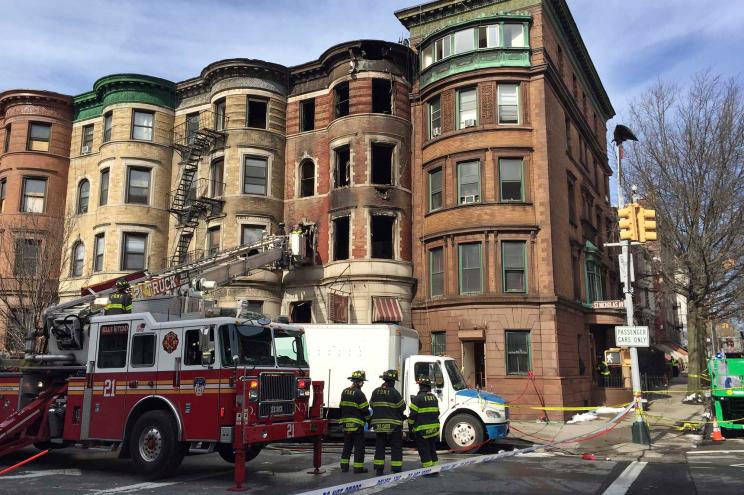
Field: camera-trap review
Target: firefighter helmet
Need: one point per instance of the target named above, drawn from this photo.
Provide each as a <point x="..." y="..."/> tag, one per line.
<point x="122" y="283"/>
<point x="391" y="375"/>
<point x="358" y="376"/>
<point x="424" y="381"/>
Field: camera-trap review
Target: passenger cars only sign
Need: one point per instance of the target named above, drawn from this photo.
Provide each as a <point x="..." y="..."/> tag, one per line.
<point x="631" y="336"/>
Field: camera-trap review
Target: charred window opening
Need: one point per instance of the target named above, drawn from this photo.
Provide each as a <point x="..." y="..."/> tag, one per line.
<point x="307" y="115"/>
<point x="382" y="234"/>
<point x="257" y="110"/>
<point x="341" y="238"/>
<point x="342" y="172"/>
<point x="382" y="164"/>
<point x="341" y="98"/>
<point x="301" y="311"/>
<point x="382" y="96"/>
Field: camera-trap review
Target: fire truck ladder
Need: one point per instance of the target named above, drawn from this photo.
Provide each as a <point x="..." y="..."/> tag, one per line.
<point x="220" y="267"/>
<point x="194" y="198"/>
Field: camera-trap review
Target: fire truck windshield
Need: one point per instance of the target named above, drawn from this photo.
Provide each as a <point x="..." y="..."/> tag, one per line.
<point x="262" y="346"/>
<point x="290" y="348"/>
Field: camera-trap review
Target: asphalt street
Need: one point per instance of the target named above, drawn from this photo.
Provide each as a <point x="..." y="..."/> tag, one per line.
<point x="709" y="468"/>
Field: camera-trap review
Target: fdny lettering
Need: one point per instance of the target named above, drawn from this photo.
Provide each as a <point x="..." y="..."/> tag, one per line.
<point x="121" y="329"/>
<point x="159" y="285"/>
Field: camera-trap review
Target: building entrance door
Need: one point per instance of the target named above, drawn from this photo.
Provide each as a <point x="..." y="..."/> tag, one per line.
<point x="474" y="362"/>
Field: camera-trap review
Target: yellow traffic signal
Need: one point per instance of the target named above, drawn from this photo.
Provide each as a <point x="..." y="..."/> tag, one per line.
<point x="646" y="225"/>
<point x="628" y="222"/>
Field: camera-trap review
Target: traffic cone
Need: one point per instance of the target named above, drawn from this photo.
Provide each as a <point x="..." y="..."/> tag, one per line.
<point x="716" y="436"/>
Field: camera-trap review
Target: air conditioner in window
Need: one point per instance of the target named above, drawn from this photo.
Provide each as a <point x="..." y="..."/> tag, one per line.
<point x="472" y="198"/>
<point x="436" y="131"/>
<point x="469" y="123"/>
<point x="86" y="150"/>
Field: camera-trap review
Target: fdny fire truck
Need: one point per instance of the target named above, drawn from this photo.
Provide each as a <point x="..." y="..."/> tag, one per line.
<point x="159" y="384"/>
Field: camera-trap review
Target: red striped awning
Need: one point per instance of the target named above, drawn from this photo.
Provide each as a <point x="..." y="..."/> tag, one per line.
<point x="386" y="310"/>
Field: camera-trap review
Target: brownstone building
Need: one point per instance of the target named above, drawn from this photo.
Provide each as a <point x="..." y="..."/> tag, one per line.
<point x="511" y="197"/>
<point x="34" y="161"/>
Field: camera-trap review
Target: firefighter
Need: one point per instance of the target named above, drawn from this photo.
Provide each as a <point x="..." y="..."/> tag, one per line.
<point x="423" y="421"/>
<point x="354" y="415"/>
<point x="387" y="421"/>
<point x="120" y="301"/>
<point x="604" y="373"/>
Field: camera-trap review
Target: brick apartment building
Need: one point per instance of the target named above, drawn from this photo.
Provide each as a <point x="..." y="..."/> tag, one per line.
<point x="34" y="159"/>
<point x="457" y="183"/>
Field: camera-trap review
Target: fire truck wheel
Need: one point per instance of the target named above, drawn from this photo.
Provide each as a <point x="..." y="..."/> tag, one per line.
<point x="228" y="455"/>
<point x="154" y="444"/>
<point x="463" y="431"/>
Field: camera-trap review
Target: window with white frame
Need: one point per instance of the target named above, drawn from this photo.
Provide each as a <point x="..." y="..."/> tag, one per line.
<point x="78" y="258"/>
<point x="508" y="103"/>
<point x="134" y="246"/>
<point x="142" y="125"/>
<point x="34" y="195"/>
<point x="468" y="182"/>
<point x="138" y="185"/>
<point x="497" y="35"/>
<point x="99" y="246"/>
<point x="511" y="179"/>
<point x="467" y="108"/>
<point x="435" y="117"/>
<point x="83" y="196"/>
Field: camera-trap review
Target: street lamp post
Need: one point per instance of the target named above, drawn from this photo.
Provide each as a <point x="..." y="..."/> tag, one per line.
<point x="640" y="433"/>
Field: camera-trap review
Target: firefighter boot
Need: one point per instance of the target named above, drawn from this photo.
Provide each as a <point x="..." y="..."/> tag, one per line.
<point x="360" y="470"/>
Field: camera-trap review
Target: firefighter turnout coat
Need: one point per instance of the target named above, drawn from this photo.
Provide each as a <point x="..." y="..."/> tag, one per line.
<point x="387" y="409"/>
<point x="119" y="303"/>
<point x="354" y="409"/>
<point x="424" y="417"/>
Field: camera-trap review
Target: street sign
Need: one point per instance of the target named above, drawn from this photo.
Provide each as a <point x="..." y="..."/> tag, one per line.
<point x="614" y="304"/>
<point x="631" y="336"/>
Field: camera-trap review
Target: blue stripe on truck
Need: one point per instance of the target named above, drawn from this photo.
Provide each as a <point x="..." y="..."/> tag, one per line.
<point x="472" y="393"/>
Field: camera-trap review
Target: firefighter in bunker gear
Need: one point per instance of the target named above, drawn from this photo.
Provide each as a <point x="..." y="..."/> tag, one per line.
<point x="120" y="302"/>
<point x="604" y="373"/>
<point x="423" y="421"/>
<point x="354" y="415"/>
<point x="387" y="421"/>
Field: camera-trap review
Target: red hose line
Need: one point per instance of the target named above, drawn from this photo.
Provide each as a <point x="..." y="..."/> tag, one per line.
<point x="35" y="456"/>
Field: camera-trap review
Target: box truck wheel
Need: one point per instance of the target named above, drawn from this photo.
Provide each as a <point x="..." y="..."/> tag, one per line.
<point x="463" y="431"/>
<point x="154" y="445"/>
<point x="228" y="454"/>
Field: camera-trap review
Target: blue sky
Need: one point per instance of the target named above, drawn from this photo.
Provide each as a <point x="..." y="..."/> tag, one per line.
<point x="65" y="45"/>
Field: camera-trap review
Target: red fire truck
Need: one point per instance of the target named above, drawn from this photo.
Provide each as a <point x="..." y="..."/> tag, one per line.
<point x="158" y="386"/>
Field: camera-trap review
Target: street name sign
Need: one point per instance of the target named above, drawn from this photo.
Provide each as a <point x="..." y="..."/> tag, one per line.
<point x="613" y="304"/>
<point x="631" y="337"/>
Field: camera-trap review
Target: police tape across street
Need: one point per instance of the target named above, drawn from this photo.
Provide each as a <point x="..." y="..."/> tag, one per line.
<point x="396" y="478"/>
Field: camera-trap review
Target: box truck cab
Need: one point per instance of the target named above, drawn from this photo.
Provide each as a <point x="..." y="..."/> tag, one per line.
<point x="469" y="417"/>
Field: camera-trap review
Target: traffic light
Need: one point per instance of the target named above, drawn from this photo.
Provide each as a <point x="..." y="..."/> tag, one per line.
<point x="646" y="225"/>
<point x="628" y="222"/>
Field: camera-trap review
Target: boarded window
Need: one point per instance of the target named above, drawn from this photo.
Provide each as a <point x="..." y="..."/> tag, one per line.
<point x="213" y="240"/>
<point x="38" y="136"/>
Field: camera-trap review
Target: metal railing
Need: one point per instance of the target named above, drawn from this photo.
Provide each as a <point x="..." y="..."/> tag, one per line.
<point x="186" y="133"/>
<point x="200" y="190"/>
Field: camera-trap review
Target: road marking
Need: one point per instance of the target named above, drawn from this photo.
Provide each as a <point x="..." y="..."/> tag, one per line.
<point x="621" y="485"/>
<point x="153" y="485"/>
<point x="737" y="465"/>
<point x="39" y="474"/>
<point x="714" y="451"/>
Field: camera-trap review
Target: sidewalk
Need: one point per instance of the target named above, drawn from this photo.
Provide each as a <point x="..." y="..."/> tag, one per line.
<point x="665" y="411"/>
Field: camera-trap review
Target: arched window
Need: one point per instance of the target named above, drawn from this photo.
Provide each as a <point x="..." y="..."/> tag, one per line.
<point x="78" y="255"/>
<point x="307" y="179"/>
<point x="83" y="196"/>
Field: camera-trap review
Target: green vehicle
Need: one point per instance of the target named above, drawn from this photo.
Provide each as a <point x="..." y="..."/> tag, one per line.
<point x="726" y="372"/>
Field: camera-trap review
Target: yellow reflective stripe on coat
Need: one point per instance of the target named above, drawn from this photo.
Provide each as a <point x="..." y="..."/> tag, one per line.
<point x="429" y="426"/>
<point x="414" y="407"/>
<point x="423" y="410"/>
<point x="351" y="420"/>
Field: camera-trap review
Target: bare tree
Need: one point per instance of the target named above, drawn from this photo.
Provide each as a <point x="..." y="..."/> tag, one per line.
<point x="689" y="164"/>
<point x="33" y="251"/>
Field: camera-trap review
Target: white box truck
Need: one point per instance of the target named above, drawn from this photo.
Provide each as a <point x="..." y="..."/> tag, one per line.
<point x="469" y="417"/>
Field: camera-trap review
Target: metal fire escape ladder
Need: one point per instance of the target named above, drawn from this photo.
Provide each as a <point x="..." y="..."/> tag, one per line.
<point x="194" y="198"/>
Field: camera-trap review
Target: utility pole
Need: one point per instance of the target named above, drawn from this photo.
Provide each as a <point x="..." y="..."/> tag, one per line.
<point x="639" y="430"/>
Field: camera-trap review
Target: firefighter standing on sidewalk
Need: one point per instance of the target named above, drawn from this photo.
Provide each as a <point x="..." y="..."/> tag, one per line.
<point x="604" y="373"/>
<point x="354" y="415"/>
<point x="120" y="302"/>
<point x="387" y="421"/>
<point x="424" y="423"/>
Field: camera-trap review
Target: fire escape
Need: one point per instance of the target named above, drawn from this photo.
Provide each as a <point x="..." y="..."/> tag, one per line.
<point x="195" y="198"/>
